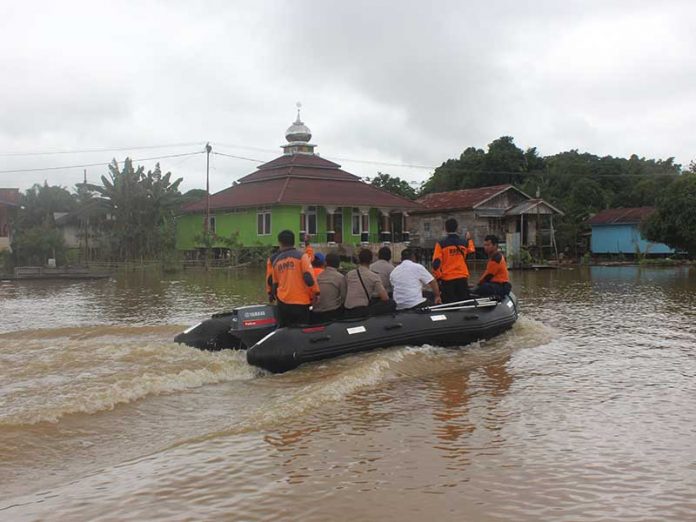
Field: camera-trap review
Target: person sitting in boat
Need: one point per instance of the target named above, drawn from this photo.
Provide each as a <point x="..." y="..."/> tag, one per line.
<point x="291" y="282"/>
<point x="449" y="263"/>
<point x="383" y="267"/>
<point x="365" y="294"/>
<point x="408" y="280"/>
<point x="495" y="281"/>
<point x="318" y="264"/>
<point x="332" y="286"/>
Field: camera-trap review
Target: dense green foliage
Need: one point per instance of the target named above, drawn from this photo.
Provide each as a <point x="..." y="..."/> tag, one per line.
<point x="393" y="184"/>
<point x="674" y="222"/>
<point x="36" y="238"/>
<point x="142" y="208"/>
<point x="580" y="184"/>
<point x="130" y="216"/>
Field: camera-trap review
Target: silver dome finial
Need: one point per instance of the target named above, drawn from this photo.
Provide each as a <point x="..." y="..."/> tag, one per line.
<point x="298" y="131"/>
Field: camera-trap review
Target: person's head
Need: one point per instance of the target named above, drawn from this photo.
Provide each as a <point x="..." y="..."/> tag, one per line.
<point x="318" y="260"/>
<point x="384" y="253"/>
<point x="407" y="254"/>
<point x="490" y="244"/>
<point x="365" y="256"/>
<point x="286" y="239"/>
<point x="333" y="260"/>
<point x="451" y="226"/>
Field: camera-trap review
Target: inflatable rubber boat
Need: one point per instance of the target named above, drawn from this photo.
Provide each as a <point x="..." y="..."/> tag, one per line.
<point x="282" y="349"/>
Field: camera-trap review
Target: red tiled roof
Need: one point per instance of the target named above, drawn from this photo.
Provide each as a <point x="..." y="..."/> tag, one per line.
<point x="299" y="160"/>
<point x="9" y="197"/>
<point x="301" y="179"/>
<point x="459" y="199"/>
<point x="621" y="216"/>
<point x="305" y="172"/>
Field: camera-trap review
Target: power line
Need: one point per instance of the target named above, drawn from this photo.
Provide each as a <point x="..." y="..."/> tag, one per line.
<point x="42" y="169"/>
<point x="384" y="163"/>
<point x="238" y="157"/>
<point x="105" y="149"/>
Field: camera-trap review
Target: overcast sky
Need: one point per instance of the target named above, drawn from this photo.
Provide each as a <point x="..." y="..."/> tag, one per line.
<point x="401" y="82"/>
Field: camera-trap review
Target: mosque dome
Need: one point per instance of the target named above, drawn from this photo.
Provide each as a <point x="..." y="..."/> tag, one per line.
<point x="298" y="131"/>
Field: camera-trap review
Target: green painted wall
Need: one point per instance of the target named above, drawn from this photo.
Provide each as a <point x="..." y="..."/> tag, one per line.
<point x="188" y="226"/>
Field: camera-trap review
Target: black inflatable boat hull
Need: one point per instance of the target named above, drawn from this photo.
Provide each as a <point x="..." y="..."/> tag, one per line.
<point x="286" y="348"/>
<point x="236" y="330"/>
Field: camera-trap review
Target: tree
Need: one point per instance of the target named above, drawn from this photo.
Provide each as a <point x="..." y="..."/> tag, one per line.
<point x="36" y="238"/>
<point x="40" y="202"/>
<point x="393" y="184"/>
<point x="674" y="221"/>
<point x="503" y="162"/>
<point x="191" y="196"/>
<point x="142" y="206"/>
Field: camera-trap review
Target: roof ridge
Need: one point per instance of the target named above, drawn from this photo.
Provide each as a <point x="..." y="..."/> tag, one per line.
<point x="282" y="190"/>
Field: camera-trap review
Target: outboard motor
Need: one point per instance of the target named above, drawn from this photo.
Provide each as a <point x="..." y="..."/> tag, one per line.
<point x="237" y="330"/>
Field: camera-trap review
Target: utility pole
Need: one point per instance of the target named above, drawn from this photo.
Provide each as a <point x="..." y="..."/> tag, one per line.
<point x="539" y="238"/>
<point x="206" y="228"/>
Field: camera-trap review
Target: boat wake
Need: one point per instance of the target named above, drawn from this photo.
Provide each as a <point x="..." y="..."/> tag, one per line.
<point x="49" y="374"/>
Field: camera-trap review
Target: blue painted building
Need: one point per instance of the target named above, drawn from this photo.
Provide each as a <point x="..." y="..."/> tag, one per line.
<point x="617" y="231"/>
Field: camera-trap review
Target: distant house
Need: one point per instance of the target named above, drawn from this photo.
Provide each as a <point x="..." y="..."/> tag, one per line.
<point x="302" y="192"/>
<point x="9" y="203"/>
<point x="502" y="210"/>
<point x="83" y="230"/>
<point x="616" y="231"/>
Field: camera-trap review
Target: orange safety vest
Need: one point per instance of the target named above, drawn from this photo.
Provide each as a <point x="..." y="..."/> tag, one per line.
<point x="292" y="278"/>
<point x="449" y="258"/>
<point x="496" y="269"/>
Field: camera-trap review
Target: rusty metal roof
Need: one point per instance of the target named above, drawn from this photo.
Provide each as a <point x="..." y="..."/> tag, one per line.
<point x="621" y="216"/>
<point x="460" y="199"/>
<point x="9" y="197"/>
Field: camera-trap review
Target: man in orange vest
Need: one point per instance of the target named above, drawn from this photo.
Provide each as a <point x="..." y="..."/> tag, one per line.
<point x="290" y="281"/>
<point x="449" y="263"/>
<point x="495" y="280"/>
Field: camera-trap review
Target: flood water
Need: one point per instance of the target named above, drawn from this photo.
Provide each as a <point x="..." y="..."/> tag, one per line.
<point x="585" y="410"/>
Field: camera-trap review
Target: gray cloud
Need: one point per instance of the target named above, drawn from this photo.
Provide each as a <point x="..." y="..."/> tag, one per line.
<point x="389" y="81"/>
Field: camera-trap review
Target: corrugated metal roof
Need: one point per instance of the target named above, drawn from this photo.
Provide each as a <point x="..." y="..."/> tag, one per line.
<point x="9" y="197"/>
<point x="530" y="206"/>
<point x="460" y="199"/>
<point x="621" y="216"/>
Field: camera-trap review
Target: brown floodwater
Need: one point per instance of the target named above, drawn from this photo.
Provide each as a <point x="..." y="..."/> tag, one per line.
<point x="585" y="410"/>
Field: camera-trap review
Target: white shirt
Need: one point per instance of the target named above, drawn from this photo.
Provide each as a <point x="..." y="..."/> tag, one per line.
<point x="408" y="279"/>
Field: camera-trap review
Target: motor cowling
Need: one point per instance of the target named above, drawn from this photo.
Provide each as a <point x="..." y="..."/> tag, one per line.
<point x="238" y="329"/>
<point x="251" y="323"/>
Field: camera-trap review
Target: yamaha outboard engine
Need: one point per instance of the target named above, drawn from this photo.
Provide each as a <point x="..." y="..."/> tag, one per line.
<point x="237" y="330"/>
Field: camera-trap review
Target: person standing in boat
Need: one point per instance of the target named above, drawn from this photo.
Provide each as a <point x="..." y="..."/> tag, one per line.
<point x="291" y="282"/>
<point x="365" y="294"/>
<point x="449" y="263"/>
<point x="408" y="280"/>
<point x="332" y="286"/>
<point x="383" y="267"/>
<point x="495" y="281"/>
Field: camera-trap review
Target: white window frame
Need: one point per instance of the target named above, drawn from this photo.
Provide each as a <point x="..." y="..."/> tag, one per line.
<point x="356" y="214"/>
<point x="266" y="223"/>
<point x="310" y="211"/>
